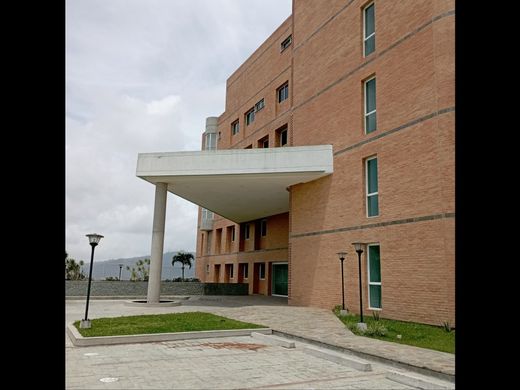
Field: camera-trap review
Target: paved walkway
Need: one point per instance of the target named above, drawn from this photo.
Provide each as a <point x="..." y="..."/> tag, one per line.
<point x="318" y="325"/>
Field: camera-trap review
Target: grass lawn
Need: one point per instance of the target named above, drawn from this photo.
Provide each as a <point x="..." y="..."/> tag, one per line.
<point x="419" y="335"/>
<point x="161" y="323"/>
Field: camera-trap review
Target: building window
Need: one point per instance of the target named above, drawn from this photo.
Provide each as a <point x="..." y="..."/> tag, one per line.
<point x="207" y="268"/>
<point x="211" y="141"/>
<point x="263" y="142"/>
<point x="231" y="271"/>
<point x="281" y="136"/>
<point x="263" y="227"/>
<point x="374" y="277"/>
<point x="261" y="270"/>
<point x="283" y="92"/>
<point x="369" y="29"/>
<point x="372" y="187"/>
<point x="246" y="234"/>
<point x="250" y="116"/>
<point x="246" y="271"/>
<point x="286" y="43"/>
<point x="232" y="233"/>
<point x="370" y="105"/>
<point x="259" y="105"/>
<point x="235" y="127"/>
<point x="206" y="214"/>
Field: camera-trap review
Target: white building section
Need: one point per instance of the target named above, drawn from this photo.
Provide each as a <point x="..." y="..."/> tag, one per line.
<point x="238" y="184"/>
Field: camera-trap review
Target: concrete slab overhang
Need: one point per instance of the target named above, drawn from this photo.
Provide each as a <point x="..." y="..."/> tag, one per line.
<point x="238" y="184"/>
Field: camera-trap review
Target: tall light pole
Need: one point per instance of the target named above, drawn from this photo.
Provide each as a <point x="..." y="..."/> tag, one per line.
<point x="359" y="249"/>
<point x="342" y="256"/>
<point x="94" y="239"/>
<point x="120" y="269"/>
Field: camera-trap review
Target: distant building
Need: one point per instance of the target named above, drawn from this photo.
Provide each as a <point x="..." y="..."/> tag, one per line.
<point x="339" y="128"/>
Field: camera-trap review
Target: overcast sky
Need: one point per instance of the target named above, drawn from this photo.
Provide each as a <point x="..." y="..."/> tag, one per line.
<point x="142" y="76"/>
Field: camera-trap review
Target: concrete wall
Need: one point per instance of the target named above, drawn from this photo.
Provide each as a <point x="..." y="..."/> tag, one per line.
<point x="126" y="288"/>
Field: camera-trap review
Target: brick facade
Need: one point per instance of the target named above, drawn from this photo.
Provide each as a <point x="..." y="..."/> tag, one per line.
<point x="413" y="64"/>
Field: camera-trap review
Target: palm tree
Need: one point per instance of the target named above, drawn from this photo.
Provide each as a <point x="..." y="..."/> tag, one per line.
<point x="184" y="258"/>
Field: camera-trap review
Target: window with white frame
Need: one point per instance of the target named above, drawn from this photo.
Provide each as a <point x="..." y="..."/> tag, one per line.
<point x="372" y="187"/>
<point x="235" y="127"/>
<point x="374" y="276"/>
<point x="369" y="30"/>
<point x="231" y="275"/>
<point x="250" y="116"/>
<point x="261" y="271"/>
<point x="370" y="105"/>
<point x="232" y="233"/>
<point x="246" y="271"/>
<point x="207" y="268"/>
<point x="283" y="92"/>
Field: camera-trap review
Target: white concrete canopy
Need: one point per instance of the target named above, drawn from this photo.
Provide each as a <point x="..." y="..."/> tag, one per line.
<point x="238" y="184"/>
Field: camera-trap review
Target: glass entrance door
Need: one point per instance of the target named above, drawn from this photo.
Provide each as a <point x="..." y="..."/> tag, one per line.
<point x="280" y="279"/>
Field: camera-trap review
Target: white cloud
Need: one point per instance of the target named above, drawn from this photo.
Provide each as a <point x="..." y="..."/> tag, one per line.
<point x="142" y="76"/>
<point x="163" y="106"/>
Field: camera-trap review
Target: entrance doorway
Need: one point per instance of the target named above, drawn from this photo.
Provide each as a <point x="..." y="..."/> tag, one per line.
<point x="280" y="279"/>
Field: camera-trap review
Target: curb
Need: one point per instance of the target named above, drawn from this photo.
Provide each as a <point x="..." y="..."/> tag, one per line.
<point x="80" y="341"/>
<point x="395" y="363"/>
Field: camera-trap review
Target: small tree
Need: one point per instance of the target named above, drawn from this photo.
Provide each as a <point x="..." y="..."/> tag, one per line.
<point x="141" y="273"/>
<point x="73" y="269"/>
<point x="184" y="258"/>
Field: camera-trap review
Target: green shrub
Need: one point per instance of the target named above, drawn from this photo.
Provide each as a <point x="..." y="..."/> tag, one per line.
<point x="375" y="315"/>
<point x="376" y="329"/>
<point x="447" y="327"/>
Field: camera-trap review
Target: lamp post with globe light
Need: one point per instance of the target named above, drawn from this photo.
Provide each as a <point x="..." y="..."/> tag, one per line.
<point x="94" y="239"/>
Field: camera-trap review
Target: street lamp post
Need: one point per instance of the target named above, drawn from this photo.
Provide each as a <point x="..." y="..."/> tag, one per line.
<point x="342" y="256"/>
<point x="120" y="269"/>
<point x="359" y="249"/>
<point x="94" y="239"/>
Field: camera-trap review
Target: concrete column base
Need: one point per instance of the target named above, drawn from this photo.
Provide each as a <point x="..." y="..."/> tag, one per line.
<point x="85" y="324"/>
<point x="343" y="312"/>
<point x="361" y="326"/>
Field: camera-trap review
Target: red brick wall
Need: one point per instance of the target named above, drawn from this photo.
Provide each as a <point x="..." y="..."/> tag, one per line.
<point x="414" y="142"/>
<point x="414" y="80"/>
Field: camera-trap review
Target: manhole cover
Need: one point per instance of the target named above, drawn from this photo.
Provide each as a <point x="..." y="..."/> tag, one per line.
<point x="108" y="380"/>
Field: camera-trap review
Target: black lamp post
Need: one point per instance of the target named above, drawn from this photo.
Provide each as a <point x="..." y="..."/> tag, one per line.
<point x="342" y="256"/>
<point x="359" y="249"/>
<point x="94" y="239"/>
<point x="120" y="269"/>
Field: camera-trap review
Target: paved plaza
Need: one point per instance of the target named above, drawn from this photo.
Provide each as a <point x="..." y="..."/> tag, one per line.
<point x="225" y="363"/>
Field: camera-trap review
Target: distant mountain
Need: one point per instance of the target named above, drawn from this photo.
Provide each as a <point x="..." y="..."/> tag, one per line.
<point x="106" y="268"/>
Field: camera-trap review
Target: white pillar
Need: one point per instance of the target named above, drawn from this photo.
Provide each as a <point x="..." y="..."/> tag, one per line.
<point x="159" y="217"/>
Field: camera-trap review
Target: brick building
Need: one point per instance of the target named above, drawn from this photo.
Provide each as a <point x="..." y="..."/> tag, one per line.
<point x="348" y="110"/>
